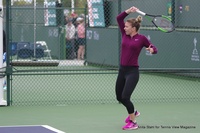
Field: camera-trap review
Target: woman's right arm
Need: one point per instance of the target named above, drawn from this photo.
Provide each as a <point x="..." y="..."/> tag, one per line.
<point x="121" y="16"/>
<point x="120" y="21"/>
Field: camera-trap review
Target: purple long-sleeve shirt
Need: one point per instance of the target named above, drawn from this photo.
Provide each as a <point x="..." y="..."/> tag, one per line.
<point x="131" y="46"/>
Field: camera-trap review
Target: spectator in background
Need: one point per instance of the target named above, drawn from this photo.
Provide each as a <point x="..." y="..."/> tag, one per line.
<point x="81" y="38"/>
<point x="4" y="46"/>
<point x="66" y="20"/>
<point x="4" y="41"/>
<point x="74" y="16"/>
<point x="4" y="56"/>
<point x="70" y="36"/>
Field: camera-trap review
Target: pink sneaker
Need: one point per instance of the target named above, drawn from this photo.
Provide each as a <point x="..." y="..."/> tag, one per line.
<point x="130" y="126"/>
<point x="128" y="118"/>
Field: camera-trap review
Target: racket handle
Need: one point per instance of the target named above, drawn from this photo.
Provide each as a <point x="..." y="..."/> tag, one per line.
<point x="140" y="12"/>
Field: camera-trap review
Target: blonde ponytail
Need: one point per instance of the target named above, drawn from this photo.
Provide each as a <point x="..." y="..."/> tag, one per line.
<point x="139" y="19"/>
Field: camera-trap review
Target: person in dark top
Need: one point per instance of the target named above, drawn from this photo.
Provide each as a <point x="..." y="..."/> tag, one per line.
<point x="4" y="56"/>
<point x="128" y="75"/>
<point x="4" y="41"/>
<point x="4" y="46"/>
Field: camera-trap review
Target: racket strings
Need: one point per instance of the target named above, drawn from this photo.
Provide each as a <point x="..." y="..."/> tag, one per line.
<point x="163" y="23"/>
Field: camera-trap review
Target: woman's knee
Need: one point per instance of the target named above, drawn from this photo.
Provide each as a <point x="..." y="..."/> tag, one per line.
<point x="119" y="99"/>
<point x="126" y="100"/>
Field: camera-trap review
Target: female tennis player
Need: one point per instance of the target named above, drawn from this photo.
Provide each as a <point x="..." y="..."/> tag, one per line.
<point x="128" y="75"/>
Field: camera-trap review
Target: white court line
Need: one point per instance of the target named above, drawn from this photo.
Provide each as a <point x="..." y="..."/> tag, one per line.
<point x="52" y="129"/>
<point x="45" y="126"/>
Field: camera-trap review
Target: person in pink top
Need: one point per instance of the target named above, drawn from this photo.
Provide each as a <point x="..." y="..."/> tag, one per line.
<point x="81" y="38"/>
<point x="128" y="75"/>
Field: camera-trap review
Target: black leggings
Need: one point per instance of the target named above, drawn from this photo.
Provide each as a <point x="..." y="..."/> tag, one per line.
<point x="127" y="80"/>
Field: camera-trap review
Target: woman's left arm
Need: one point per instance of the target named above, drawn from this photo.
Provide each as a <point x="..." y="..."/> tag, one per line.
<point x="149" y="46"/>
<point x="152" y="49"/>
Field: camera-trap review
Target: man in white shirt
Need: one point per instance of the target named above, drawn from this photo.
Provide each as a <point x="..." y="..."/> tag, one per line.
<point x="70" y="36"/>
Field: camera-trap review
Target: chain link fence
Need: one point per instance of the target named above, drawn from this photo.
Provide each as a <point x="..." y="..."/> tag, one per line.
<point x="60" y="55"/>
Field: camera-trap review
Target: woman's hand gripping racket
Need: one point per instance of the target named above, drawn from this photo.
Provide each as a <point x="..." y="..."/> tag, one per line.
<point x="163" y="23"/>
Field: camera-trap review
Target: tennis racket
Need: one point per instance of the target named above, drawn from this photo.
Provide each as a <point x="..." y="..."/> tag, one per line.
<point x="163" y="23"/>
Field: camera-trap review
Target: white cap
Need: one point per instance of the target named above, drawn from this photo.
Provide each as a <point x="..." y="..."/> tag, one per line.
<point x="79" y="19"/>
